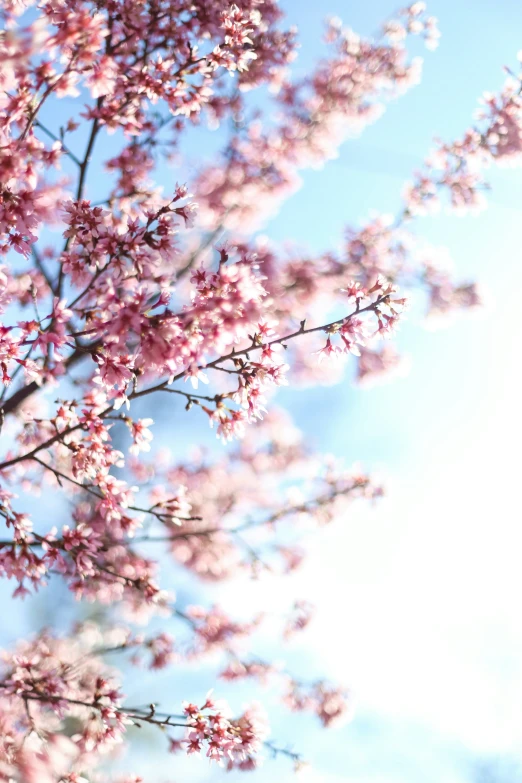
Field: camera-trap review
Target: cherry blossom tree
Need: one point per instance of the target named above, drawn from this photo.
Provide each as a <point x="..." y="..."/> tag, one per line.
<point x="107" y="302"/>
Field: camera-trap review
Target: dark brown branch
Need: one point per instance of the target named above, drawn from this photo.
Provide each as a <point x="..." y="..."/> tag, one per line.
<point x="18" y="397"/>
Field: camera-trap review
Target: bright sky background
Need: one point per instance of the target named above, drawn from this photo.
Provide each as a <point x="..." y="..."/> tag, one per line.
<point x="419" y="598"/>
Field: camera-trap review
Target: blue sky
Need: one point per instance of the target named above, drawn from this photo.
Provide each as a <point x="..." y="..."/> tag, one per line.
<point x="420" y="597"/>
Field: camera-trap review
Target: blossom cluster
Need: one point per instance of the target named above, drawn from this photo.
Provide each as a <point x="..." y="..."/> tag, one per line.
<point x="259" y="168"/>
<point x="235" y="741"/>
<point x="455" y="172"/>
<point x="197" y="510"/>
<point x="50" y="682"/>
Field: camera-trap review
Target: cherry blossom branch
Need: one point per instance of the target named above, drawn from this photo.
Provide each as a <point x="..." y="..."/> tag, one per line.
<point x="300" y="508"/>
<point x="84" y="164"/>
<point x="18" y="397"/>
<point x="277" y="750"/>
<point x="59" y="475"/>
<point x="34" y="112"/>
<point x="54" y="137"/>
<point x="255" y="346"/>
<point x="142" y="716"/>
<point x="328" y="328"/>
